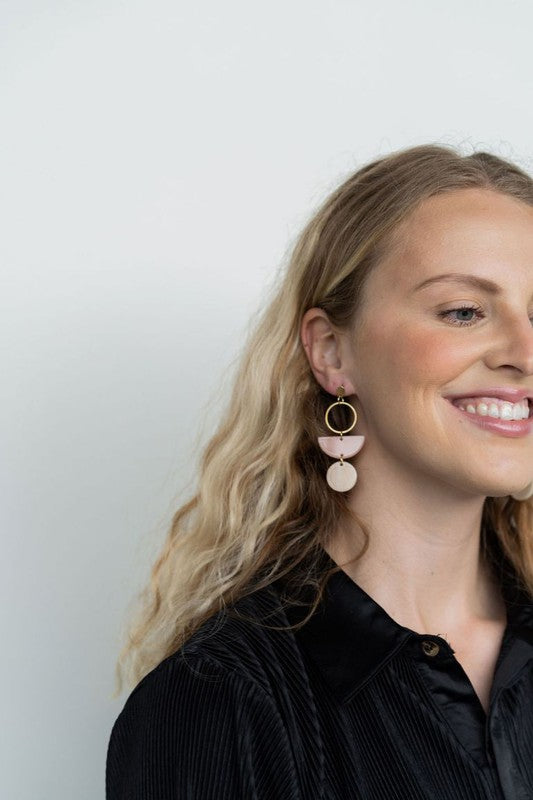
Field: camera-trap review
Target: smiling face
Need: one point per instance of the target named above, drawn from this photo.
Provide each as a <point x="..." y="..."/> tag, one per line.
<point x="419" y="342"/>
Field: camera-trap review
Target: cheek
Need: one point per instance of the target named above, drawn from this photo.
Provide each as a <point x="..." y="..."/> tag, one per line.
<point x="404" y="352"/>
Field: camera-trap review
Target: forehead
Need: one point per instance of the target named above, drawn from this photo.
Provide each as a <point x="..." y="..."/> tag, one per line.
<point x="473" y="230"/>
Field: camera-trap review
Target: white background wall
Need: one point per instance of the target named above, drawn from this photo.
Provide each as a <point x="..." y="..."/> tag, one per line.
<point x="157" y="160"/>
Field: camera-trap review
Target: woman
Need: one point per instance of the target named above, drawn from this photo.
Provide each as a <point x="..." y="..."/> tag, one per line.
<point x="344" y="609"/>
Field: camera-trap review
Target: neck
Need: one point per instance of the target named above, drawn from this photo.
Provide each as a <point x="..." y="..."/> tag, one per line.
<point x="423" y="564"/>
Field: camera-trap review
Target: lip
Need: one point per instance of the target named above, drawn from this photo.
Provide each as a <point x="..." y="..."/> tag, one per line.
<point x="510" y="428"/>
<point x="512" y="394"/>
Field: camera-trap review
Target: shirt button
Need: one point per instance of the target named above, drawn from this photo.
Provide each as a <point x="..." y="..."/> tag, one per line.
<point x="430" y="648"/>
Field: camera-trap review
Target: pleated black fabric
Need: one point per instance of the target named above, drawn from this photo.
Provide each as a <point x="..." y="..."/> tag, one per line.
<point x="351" y="706"/>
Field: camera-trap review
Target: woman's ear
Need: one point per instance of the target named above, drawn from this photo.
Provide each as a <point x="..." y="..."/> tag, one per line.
<point x="325" y="349"/>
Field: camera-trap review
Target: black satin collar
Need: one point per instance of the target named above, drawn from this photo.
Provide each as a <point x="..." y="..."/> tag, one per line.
<point x="350" y="636"/>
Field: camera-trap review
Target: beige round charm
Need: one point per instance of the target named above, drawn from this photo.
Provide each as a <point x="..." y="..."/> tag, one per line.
<point x="341" y="477"/>
<point x="525" y="494"/>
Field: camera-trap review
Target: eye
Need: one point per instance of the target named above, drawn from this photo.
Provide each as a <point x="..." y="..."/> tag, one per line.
<point x="463" y="319"/>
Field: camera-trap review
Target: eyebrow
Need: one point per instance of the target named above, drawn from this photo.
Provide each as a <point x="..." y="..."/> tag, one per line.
<point x="458" y="277"/>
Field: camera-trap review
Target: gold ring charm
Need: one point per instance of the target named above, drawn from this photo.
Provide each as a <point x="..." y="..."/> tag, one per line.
<point x="341" y="402"/>
<point x="341" y="475"/>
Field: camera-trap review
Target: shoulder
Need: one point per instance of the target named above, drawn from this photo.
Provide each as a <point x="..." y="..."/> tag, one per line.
<point x="219" y="703"/>
<point x="249" y="644"/>
<point x="251" y="639"/>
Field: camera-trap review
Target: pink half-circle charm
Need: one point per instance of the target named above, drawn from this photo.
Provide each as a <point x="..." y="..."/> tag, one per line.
<point x="336" y="447"/>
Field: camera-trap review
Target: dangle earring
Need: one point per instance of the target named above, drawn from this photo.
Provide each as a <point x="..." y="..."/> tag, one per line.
<point x="341" y="475"/>
<point x="525" y="494"/>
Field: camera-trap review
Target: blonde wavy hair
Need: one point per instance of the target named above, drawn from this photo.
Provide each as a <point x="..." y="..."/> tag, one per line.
<point x="262" y="508"/>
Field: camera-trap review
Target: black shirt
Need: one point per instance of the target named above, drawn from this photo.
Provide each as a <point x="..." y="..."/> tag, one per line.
<point x="351" y="706"/>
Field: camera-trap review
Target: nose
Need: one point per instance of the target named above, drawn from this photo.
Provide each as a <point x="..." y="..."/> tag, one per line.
<point x="512" y="347"/>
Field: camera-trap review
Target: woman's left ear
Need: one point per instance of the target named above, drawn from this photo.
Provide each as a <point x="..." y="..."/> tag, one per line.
<point x="323" y="347"/>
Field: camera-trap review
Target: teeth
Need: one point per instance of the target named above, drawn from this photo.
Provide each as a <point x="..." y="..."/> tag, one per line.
<point x="518" y="412"/>
<point x="494" y="410"/>
<point x="492" y="407"/>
